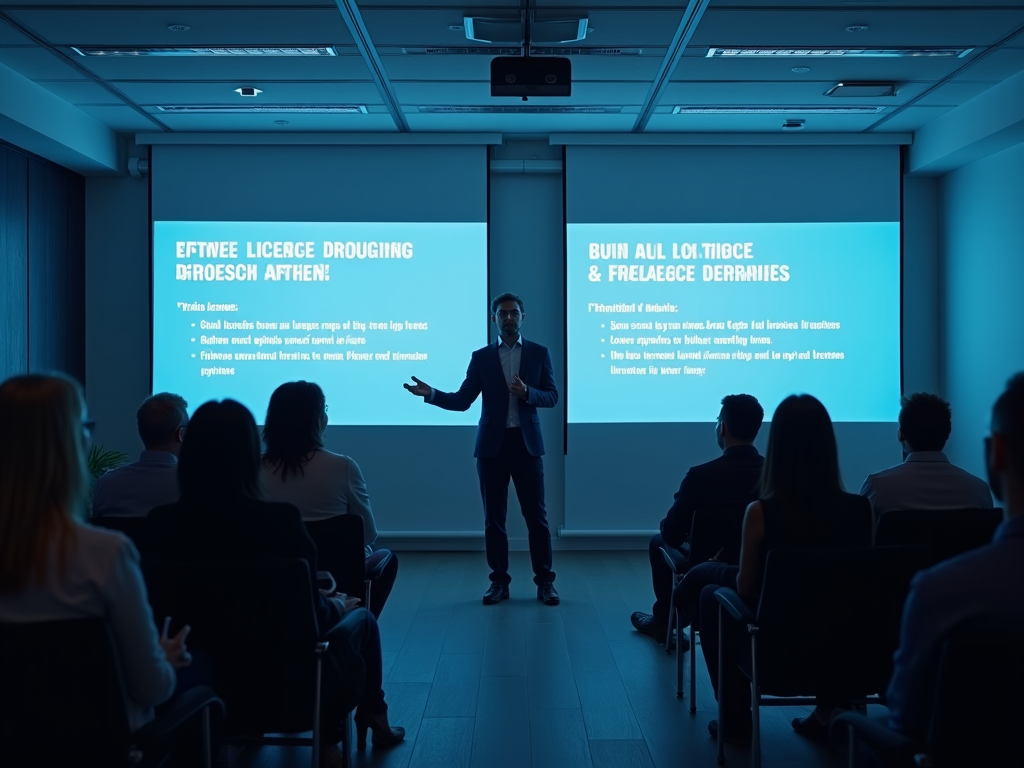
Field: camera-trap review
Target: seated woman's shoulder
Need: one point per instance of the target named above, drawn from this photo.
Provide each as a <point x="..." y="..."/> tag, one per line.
<point x="100" y="543"/>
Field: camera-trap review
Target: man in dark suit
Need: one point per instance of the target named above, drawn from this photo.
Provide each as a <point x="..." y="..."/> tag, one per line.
<point x="516" y="378"/>
<point x="730" y="480"/>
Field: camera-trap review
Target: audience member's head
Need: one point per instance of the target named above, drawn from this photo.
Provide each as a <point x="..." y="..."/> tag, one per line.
<point x="162" y="419"/>
<point x="739" y="420"/>
<point x="1005" y="447"/>
<point x="220" y="455"/>
<point x="801" y="467"/>
<point x="43" y="474"/>
<point x="925" y="422"/>
<point x="294" y="427"/>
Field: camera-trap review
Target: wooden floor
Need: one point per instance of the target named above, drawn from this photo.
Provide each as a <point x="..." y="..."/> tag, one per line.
<point x="524" y="685"/>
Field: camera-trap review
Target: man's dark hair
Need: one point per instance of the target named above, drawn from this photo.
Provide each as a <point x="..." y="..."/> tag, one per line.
<point x="497" y="301"/>
<point x="742" y="415"/>
<point x="220" y="455"/>
<point x="926" y="421"/>
<point x="1008" y="420"/>
<point x="159" y="417"/>
<point x="292" y="429"/>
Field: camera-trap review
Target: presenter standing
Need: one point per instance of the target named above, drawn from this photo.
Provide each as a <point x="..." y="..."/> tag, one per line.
<point x="516" y="378"/>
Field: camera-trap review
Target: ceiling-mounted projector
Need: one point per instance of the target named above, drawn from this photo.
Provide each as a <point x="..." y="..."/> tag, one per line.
<point x="527" y="76"/>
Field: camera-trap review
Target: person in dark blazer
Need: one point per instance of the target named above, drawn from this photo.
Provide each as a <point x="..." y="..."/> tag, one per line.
<point x="222" y="518"/>
<point x="732" y="479"/>
<point x="516" y="378"/>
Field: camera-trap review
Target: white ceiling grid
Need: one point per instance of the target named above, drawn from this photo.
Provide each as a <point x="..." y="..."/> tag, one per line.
<point x="126" y="92"/>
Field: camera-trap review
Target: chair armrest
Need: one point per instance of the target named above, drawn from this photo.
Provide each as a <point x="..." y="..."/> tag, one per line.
<point x="188" y="705"/>
<point x="379" y="568"/>
<point x="325" y="580"/>
<point x="733" y="603"/>
<point x="894" y="749"/>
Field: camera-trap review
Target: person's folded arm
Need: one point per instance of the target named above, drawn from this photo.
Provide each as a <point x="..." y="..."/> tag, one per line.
<point x="359" y="502"/>
<point x="545" y="394"/>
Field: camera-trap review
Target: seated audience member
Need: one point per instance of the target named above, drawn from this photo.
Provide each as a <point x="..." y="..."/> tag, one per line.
<point x="983" y="588"/>
<point x="220" y="518"/>
<point x="297" y="469"/>
<point x="802" y="504"/>
<point x="925" y="479"/>
<point x="53" y="566"/>
<point x="152" y="481"/>
<point x="730" y="480"/>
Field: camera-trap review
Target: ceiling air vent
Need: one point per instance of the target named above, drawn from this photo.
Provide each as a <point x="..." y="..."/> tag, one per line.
<point x="289" y="109"/>
<point x="828" y="53"/>
<point x="490" y="30"/>
<point x="465" y="50"/>
<point x="224" y="51"/>
<point x="731" y="110"/>
<point x="519" y="110"/>
<point x="579" y="51"/>
<point x="869" y="90"/>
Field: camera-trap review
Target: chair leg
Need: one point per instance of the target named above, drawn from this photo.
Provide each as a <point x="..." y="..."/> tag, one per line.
<point x="721" y="689"/>
<point x="679" y="664"/>
<point x="671" y="618"/>
<point x="316" y="712"/>
<point x="755" y="707"/>
<point x="693" y="670"/>
<point x="207" y="747"/>
<point x="369" y="586"/>
<point x="346" y="739"/>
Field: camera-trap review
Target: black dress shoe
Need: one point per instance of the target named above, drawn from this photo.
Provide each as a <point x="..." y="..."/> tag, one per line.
<point x="495" y="593"/>
<point x="650" y="626"/>
<point x="741" y="737"/>
<point x="547" y="593"/>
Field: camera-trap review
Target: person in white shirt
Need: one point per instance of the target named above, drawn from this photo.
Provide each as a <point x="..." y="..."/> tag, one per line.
<point x="53" y="566"/>
<point x="299" y="470"/>
<point x="152" y="481"/>
<point x="926" y="480"/>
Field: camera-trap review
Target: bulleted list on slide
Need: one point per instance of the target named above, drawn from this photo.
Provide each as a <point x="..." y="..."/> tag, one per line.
<point x="241" y="307"/>
<point x="666" y="319"/>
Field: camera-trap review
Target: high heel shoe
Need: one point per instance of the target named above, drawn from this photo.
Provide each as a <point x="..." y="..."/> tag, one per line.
<point x="384" y="735"/>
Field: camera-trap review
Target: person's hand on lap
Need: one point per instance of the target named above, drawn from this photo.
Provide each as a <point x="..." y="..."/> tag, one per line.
<point x="174" y="647"/>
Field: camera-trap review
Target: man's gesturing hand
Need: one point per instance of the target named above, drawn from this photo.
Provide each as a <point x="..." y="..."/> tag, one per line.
<point x="419" y="388"/>
<point x="518" y="388"/>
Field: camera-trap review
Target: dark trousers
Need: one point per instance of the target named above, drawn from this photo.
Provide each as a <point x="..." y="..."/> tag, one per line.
<point x="354" y="639"/>
<point x="527" y="472"/>
<point x="661" y="575"/>
<point x="380" y="587"/>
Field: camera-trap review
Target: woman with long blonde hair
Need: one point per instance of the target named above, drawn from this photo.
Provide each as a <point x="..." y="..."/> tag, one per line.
<point x="52" y="565"/>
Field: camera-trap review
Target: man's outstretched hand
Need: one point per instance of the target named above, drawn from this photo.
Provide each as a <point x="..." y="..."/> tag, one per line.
<point x="419" y="388"/>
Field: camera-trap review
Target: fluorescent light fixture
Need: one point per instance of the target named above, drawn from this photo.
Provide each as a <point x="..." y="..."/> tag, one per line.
<point x="554" y="50"/>
<point x="685" y="110"/>
<point x="519" y="110"/>
<point x="554" y="31"/>
<point x="484" y="30"/>
<point x="223" y="51"/>
<point x="277" y="109"/>
<point x="821" y="53"/>
<point x="457" y="50"/>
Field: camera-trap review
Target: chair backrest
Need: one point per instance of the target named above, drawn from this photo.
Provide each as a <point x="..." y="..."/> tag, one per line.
<point x="256" y="623"/>
<point x="714" y="529"/>
<point x="829" y="618"/>
<point x="947" y="532"/>
<point x="61" y="700"/>
<point x="977" y="709"/>
<point x="132" y="527"/>
<point x="339" y="549"/>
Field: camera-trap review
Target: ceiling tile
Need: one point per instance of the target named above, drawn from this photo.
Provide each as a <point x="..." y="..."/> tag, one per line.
<point x="372" y="123"/>
<point x="530" y="124"/>
<point x="10" y="36"/>
<point x="662" y="123"/>
<point x="911" y="119"/>
<point x="775" y="94"/>
<point x="953" y="94"/>
<point x="38" y="64"/>
<point x="349" y="67"/>
<point x="120" y="119"/>
<point x="998" y="65"/>
<point x="724" y="26"/>
<point x="244" y="26"/>
<point x="80" y="91"/>
<point x="273" y="93"/>
<point x="589" y="93"/>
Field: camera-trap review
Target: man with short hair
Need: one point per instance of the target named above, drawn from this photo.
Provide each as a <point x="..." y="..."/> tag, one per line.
<point x="982" y="587"/>
<point x="152" y="481"/>
<point x="732" y="479"/>
<point x="926" y="479"/>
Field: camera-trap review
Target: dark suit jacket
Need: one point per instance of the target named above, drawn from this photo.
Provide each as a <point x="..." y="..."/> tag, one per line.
<point x="731" y="479"/>
<point x="485" y="375"/>
<point x="245" y="529"/>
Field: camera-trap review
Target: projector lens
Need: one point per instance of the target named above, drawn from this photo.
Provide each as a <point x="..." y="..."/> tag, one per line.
<point x="550" y="79"/>
<point x="510" y="79"/>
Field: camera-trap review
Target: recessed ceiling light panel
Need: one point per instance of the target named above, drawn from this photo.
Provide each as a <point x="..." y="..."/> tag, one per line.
<point x="223" y="51"/>
<point x="518" y="110"/>
<point x="828" y="53"/>
<point x="282" y="109"/>
<point x="248" y="91"/>
<point x="789" y="110"/>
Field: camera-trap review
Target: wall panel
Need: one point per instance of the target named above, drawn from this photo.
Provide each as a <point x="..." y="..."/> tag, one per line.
<point x="13" y="262"/>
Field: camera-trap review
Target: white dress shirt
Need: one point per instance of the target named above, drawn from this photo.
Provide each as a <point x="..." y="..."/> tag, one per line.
<point x="329" y="484"/>
<point x="103" y="578"/>
<point x="925" y="480"/>
<point x="134" y="489"/>
<point x="509" y="358"/>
